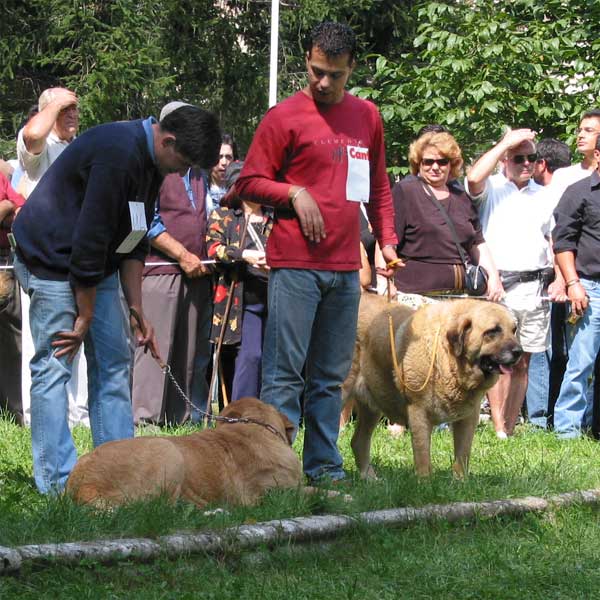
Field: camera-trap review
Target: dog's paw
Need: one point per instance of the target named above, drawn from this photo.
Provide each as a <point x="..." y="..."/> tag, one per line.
<point x="369" y="474"/>
<point x="458" y="471"/>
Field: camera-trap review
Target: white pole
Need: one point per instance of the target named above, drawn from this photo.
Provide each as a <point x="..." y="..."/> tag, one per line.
<point x="274" y="52"/>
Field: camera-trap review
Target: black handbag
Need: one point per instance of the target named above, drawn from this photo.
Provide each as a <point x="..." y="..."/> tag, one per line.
<point x="476" y="277"/>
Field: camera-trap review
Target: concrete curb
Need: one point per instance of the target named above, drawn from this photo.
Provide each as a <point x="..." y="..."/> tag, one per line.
<point x="300" y="529"/>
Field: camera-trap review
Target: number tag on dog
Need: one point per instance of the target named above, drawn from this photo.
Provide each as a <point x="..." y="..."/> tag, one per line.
<point x="357" y="182"/>
<point x="138" y="228"/>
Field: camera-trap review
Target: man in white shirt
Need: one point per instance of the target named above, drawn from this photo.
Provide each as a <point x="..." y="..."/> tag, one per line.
<point x="587" y="132"/>
<point x="516" y="223"/>
<point x="39" y="144"/>
<point x="46" y="135"/>
<point x="546" y="368"/>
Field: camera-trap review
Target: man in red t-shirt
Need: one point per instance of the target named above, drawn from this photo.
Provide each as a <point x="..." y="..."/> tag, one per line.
<point x="315" y="157"/>
<point x="10" y="308"/>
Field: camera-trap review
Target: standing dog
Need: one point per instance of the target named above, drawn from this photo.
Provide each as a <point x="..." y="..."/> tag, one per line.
<point x="426" y="367"/>
<point x="235" y="463"/>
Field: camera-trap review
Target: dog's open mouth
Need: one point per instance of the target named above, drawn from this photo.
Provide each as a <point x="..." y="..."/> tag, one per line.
<point x="502" y="363"/>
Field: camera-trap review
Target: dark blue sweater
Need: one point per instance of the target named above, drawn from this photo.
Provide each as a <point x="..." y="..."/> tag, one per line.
<point x="78" y="214"/>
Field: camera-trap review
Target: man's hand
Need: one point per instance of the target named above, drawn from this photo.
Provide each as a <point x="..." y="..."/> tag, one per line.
<point x="143" y="332"/>
<point x="192" y="265"/>
<point x="514" y="137"/>
<point x="557" y="290"/>
<point x="392" y="262"/>
<point x="578" y="298"/>
<point x="69" y="342"/>
<point x="309" y="215"/>
<point x="63" y="98"/>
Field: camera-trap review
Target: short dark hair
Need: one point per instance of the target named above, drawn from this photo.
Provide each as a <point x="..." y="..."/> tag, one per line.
<point x="592" y="113"/>
<point x="432" y="128"/>
<point x="556" y="153"/>
<point x="333" y="39"/>
<point x="197" y="134"/>
<point x="226" y="138"/>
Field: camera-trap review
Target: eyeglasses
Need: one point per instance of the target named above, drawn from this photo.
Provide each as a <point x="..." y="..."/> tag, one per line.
<point x="519" y="159"/>
<point x="429" y="162"/>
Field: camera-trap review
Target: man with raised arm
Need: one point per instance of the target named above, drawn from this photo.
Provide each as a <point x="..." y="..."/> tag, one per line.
<point x="516" y="221"/>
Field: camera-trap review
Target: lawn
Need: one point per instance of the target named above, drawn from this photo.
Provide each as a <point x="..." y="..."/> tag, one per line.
<point x="539" y="556"/>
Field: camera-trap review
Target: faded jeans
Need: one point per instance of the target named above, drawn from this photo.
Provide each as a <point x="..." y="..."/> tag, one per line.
<point x="573" y="409"/>
<point x="53" y="309"/>
<point x="312" y="322"/>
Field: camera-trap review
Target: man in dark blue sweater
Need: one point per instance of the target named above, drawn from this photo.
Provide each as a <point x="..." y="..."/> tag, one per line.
<point x="82" y="229"/>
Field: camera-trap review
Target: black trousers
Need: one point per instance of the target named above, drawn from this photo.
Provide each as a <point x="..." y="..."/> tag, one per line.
<point x="10" y="348"/>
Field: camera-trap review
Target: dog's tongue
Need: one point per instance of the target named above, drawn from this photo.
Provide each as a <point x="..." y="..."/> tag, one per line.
<point x="506" y="370"/>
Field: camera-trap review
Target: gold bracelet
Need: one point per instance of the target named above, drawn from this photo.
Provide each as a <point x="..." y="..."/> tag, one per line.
<point x="572" y="282"/>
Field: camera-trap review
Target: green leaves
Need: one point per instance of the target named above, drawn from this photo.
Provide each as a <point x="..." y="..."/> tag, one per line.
<point x="473" y="65"/>
<point x="477" y="66"/>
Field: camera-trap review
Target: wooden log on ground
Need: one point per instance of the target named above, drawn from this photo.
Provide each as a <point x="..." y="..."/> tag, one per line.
<point x="270" y="533"/>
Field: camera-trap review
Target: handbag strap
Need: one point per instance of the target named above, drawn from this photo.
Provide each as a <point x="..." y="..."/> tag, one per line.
<point x="440" y="207"/>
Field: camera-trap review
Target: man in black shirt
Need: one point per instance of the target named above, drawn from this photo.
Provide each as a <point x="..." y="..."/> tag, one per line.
<point x="577" y="249"/>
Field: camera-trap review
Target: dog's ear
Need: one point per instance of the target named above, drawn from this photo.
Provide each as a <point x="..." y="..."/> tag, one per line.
<point x="457" y="333"/>
<point x="289" y="429"/>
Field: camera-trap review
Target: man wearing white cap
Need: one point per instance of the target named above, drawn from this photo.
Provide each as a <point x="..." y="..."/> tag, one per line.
<point x="81" y="239"/>
<point x="177" y="292"/>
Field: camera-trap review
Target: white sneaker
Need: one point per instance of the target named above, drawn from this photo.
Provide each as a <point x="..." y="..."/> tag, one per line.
<point x="501" y="435"/>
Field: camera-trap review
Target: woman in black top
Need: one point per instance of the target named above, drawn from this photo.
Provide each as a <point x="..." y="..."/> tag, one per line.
<point x="434" y="264"/>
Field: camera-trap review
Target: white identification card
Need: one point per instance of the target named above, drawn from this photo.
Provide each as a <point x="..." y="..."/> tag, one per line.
<point x="357" y="182"/>
<point x="138" y="228"/>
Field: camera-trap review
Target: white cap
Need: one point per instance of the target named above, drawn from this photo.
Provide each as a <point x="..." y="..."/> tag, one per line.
<point x="169" y="108"/>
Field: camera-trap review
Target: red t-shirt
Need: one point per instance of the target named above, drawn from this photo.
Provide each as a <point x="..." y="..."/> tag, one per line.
<point x="301" y="142"/>
<point x="8" y="193"/>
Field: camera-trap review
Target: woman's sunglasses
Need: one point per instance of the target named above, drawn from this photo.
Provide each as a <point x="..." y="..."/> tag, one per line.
<point x="429" y="162"/>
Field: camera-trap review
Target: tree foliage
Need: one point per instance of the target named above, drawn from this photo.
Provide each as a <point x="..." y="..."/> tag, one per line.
<point x="478" y="66"/>
<point x="474" y="65"/>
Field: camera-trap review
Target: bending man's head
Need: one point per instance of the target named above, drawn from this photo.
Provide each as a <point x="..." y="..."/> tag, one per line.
<point x="188" y="136"/>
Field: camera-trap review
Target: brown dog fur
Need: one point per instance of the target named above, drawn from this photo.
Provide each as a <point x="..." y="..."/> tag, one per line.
<point x="475" y="338"/>
<point x="234" y="463"/>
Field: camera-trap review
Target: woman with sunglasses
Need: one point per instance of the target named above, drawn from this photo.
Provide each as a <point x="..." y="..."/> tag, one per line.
<point x="433" y="263"/>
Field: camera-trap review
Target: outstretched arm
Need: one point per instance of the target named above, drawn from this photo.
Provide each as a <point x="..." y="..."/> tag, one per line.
<point x="485" y="166"/>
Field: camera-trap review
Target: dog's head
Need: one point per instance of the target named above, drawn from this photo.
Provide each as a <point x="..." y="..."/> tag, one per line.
<point x="483" y="334"/>
<point x="253" y="408"/>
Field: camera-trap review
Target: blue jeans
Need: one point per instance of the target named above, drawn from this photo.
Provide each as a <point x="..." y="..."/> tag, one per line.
<point x="311" y="324"/>
<point x="52" y="310"/>
<point x="538" y="388"/>
<point x="573" y="410"/>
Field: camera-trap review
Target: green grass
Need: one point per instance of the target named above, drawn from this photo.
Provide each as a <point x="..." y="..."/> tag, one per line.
<point x="553" y="555"/>
<point x="537" y="557"/>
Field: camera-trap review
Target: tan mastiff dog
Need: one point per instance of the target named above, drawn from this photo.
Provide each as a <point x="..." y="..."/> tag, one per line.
<point x="426" y="367"/>
<point x="234" y="463"/>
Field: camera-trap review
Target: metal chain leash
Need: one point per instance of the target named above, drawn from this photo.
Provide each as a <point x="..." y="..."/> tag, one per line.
<point x="166" y="369"/>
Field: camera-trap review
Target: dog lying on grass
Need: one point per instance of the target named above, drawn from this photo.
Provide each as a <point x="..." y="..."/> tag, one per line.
<point x="235" y="463"/>
<point x="447" y="355"/>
